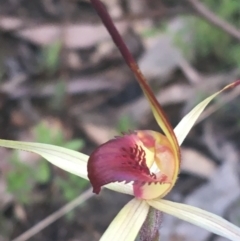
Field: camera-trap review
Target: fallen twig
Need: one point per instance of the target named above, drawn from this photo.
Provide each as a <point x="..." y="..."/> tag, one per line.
<point x="214" y="19"/>
<point x="56" y="215"/>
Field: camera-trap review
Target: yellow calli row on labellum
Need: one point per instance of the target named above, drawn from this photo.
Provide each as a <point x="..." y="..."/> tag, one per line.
<point x="144" y="164"/>
<point x="130" y="158"/>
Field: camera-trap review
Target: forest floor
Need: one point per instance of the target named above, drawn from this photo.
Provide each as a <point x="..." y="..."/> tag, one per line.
<point x="63" y="81"/>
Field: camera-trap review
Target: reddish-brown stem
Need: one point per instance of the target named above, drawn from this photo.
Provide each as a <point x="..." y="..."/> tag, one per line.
<point x="107" y="21"/>
<point x="130" y="61"/>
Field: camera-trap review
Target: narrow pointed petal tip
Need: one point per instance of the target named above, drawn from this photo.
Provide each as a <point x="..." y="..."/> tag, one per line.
<point x="187" y="122"/>
<point x="129" y="159"/>
<point x="199" y="217"/>
<point x="232" y="85"/>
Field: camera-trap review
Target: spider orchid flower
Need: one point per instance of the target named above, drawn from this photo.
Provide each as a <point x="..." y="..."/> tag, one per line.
<point x="144" y="164"/>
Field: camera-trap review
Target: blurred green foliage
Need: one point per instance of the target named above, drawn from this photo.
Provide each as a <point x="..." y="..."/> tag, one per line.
<point x="124" y="124"/>
<point x="51" y="62"/>
<point x="202" y="39"/>
<point x="19" y="179"/>
<point x="51" y="56"/>
<point x="57" y="102"/>
<point x="209" y="40"/>
<point x="154" y="31"/>
<point x="22" y="177"/>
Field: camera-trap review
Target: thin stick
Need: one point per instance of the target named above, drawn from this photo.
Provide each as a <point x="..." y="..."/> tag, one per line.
<point x="214" y="19"/>
<point x="56" y="215"/>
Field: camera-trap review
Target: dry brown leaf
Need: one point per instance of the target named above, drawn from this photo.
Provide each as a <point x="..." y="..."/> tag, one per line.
<point x="10" y="23"/>
<point x="205" y="167"/>
<point x="99" y="134"/>
<point x="76" y="36"/>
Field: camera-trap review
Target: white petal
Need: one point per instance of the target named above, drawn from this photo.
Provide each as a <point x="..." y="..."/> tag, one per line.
<point x="186" y="124"/>
<point x="199" y="217"/>
<point x="121" y="187"/>
<point x="66" y="159"/>
<point x="126" y="225"/>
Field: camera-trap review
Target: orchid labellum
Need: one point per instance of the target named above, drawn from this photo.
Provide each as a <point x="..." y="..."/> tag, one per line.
<point x="144" y="158"/>
<point x="142" y="163"/>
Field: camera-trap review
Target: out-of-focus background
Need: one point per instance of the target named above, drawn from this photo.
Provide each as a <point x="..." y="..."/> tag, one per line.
<point x="62" y="81"/>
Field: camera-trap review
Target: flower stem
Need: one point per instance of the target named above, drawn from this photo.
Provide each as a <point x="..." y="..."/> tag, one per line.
<point x="107" y="21"/>
<point x="157" y="109"/>
<point x="129" y="59"/>
<point x="150" y="230"/>
<point x="116" y="37"/>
